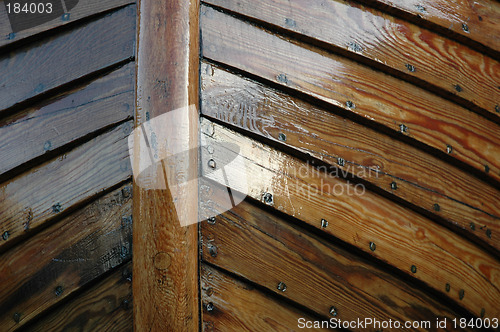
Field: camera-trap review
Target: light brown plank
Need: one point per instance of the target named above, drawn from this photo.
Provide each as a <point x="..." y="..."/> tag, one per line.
<point x="359" y="217"/>
<point x="60" y="59"/>
<point x="36" y="197"/>
<point x="67" y="117"/>
<point x="415" y="176"/>
<point x="61" y="259"/>
<point x="374" y="96"/>
<point x="391" y="44"/>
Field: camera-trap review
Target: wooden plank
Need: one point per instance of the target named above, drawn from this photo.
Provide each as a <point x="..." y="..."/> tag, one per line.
<point x="67" y="117"/>
<point x="417" y="177"/>
<point x="236" y="306"/>
<point x="166" y="270"/>
<point x="81" y="10"/>
<point x="390" y="44"/>
<point x="61" y="259"/>
<point x="358" y="90"/>
<point x="104" y="307"/>
<point x="404" y="239"/>
<point x="66" y="57"/>
<point x="36" y="197"/>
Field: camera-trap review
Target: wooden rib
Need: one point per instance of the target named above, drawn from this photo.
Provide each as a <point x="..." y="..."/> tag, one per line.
<point x="393" y="44"/>
<point x="64" y="257"/>
<point x="66" y="118"/>
<point x="63" y="58"/>
<point x="375" y="96"/>
<point x="358" y="217"/>
<point x="239" y="307"/>
<point x="166" y="271"/>
<point x="104" y="307"/>
<point x="421" y="178"/>
<point x="81" y="10"/>
<point x="36" y="197"/>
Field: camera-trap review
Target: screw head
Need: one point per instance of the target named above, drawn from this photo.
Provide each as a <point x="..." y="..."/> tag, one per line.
<point x="324" y="223"/>
<point x="483" y="312"/>
<point x="281" y="286"/>
<point x="5" y="235"/>
<point x="488" y="233"/>
<point x="58" y="291"/>
<point x="212" y="250"/>
<point x="497" y="108"/>
<point x="465" y="27"/>
<point x="211" y="220"/>
<point x="16" y="317"/>
<point x="449" y="149"/>
<point x="486" y="168"/>
<point x="413" y="269"/>
<point x="47" y="146"/>
<point x="333" y="311"/>
<point x="448" y="287"/>
<point x="458" y="88"/>
<point x="437" y="207"/>
<point x="373" y="246"/>
<point x="341" y="161"/>
<point x="472" y="226"/>
<point x="212" y="164"/>
<point x="410" y="68"/>
<point x="461" y="294"/>
<point x="350" y="104"/>
<point x="56" y="208"/>
<point x="403" y="128"/>
<point x="210" y="307"/>
<point x="394" y="185"/>
<point x="268" y="198"/>
<point x="282" y="137"/>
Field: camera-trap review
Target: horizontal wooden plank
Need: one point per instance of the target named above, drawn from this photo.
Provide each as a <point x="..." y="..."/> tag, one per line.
<point x="404" y="239"/>
<point x="391" y="44"/>
<point x="104" y="307"/>
<point x="260" y="247"/>
<point x="34" y="198"/>
<point x="81" y="9"/>
<point x="395" y="167"/>
<point x="38" y="68"/>
<point x="67" y="117"/>
<point x="236" y="306"/>
<point x="359" y="90"/>
<point x="64" y="257"/>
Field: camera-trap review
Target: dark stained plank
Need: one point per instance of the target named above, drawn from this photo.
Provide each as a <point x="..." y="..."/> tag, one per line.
<point x="34" y="198"/>
<point x="357" y="89"/>
<point x="403" y="238"/>
<point x="82" y="9"/>
<point x="64" y="257"/>
<point x="236" y="306"/>
<point x="40" y="67"/>
<point x="389" y="43"/>
<point x="397" y="168"/>
<point x="67" y="117"/>
<point x="104" y="307"/>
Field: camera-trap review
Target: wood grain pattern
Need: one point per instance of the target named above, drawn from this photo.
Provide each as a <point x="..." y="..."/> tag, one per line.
<point x="374" y="96"/>
<point x="66" y="118"/>
<point x="60" y="59"/>
<point x="395" y="167"/>
<point x="359" y="217"/>
<point x="239" y="307"/>
<point x="64" y="257"/>
<point x="36" y="197"/>
<point x="104" y="307"/>
<point x="391" y="44"/>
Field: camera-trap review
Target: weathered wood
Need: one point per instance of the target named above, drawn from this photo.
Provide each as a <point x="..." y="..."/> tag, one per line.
<point x="81" y="10"/>
<point x="34" y="198"/>
<point x="104" y="307"/>
<point x="66" y="57"/>
<point x="359" y="90"/>
<point x="395" y="167"/>
<point x="236" y="306"/>
<point x="404" y="239"/>
<point x="166" y="270"/>
<point x="64" y="257"/>
<point x="67" y="117"/>
<point x="391" y="44"/>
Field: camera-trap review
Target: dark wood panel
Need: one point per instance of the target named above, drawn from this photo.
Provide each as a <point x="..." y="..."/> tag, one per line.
<point x="62" y="58"/>
<point x="34" y="198"/>
<point x="231" y="305"/>
<point x="106" y="306"/>
<point x="64" y="257"/>
<point x="389" y="43"/>
<point x="397" y="168"/>
<point x="359" y="90"/>
<point x="67" y="117"/>
<point x="404" y="239"/>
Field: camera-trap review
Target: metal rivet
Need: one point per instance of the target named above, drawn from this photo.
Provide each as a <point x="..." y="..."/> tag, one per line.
<point x="448" y="287"/>
<point x="488" y="233"/>
<point x="373" y="246"/>
<point x="449" y="149"/>
<point x="282" y="137"/>
<point x="5" y="235"/>
<point x="211" y="220"/>
<point x="210" y="307"/>
<point x="472" y="226"/>
<point x="16" y="317"/>
<point x="281" y="286"/>
<point x="341" y="161"/>
<point x="437" y="207"/>
<point x="458" y="88"/>
<point x="268" y="198"/>
<point x="483" y="313"/>
<point x="333" y="311"/>
<point x="58" y="291"/>
<point x="465" y="27"/>
<point x="461" y="294"/>
<point x="350" y="104"/>
<point x="403" y="128"/>
<point x="394" y="185"/>
<point x="410" y="68"/>
<point x="413" y="269"/>
<point x="324" y="223"/>
<point x="212" y="250"/>
<point x="486" y="168"/>
<point x="56" y="208"/>
<point x="212" y="164"/>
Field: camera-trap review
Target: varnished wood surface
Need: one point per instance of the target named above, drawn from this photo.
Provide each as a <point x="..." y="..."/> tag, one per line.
<point x="374" y="96"/>
<point x="395" y="167"/>
<point x="64" y="257"/>
<point x="391" y="44"/>
<point x="402" y="237"/>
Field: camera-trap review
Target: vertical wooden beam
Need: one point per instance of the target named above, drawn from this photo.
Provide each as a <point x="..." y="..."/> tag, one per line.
<point x="165" y="254"/>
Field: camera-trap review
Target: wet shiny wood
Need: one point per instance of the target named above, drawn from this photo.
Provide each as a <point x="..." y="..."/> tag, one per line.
<point x="391" y="44"/>
<point x="64" y="257"/>
<point x="395" y="167"/>
<point x="369" y="94"/>
<point x="359" y="217"/>
<point x="42" y="194"/>
<point x="62" y="58"/>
